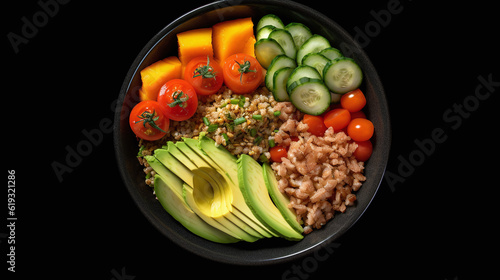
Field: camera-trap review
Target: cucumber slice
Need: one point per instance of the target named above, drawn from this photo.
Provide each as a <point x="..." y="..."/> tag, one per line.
<point x="270" y="19"/>
<point x="315" y="60"/>
<point x="342" y="75"/>
<point x="264" y="32"/>
<point x="331" y="53"/>
<point x="300" y="33"/>
<point x="310" y="96"/>
<point x="266" y="50"/>
<point x="314" y="44"/>
<point x="279" y="80"/>
<point x="285" y="40"/>
<point x="280" y="61"/>
<point x="303" y="71"/>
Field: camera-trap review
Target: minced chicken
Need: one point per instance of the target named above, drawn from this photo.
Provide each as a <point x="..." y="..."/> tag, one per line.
<point x="319" y="174"/>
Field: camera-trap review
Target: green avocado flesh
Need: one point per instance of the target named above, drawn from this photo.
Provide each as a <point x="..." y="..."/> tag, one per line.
<point x="200" y="185"/>
<point x="173" y="203"/>
<point x="253" y="187"/>
<point x="280" y="200"/>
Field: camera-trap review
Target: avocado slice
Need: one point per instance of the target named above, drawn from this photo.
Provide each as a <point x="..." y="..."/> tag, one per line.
<point x="221" y="223"/>
<point x="166" y="190"/>
<point x="254" y="190"/>
<point x="280" y="200"/>
<point x="161" y="170"/>
<point x="225" y="163"/>
<point x="222" y="198"/>
<point x="173" y="165"/>
<point x="208" y="171"/>
<point x="234" y="216"/>
<point x="207" y="192"/>
<point x="185" y="172"/>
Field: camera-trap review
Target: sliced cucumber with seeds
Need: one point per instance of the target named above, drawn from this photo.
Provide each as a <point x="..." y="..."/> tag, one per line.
<point x="280" y="61"/>
<point x="279" y="81"/>
<point x="331" y="53"/>
<point x="342" y="75"/>
<point x="303" y="71"/>
<point x="266" y="50"/>
<point x="310" y="96"/>
<point x="270" y="19"/>
<point x="316" y="60"/>
<point x="300" y="33"/>
<point x="285" y="40"/>
<point x="264" y="32"/>
<point x="314" y="44"/>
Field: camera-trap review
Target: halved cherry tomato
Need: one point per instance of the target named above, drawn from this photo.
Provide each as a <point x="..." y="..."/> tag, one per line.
<point x="148" y="121"/>
<point x="360" y="129"/>
<point x="353" y="101"/>
<point x="242" y="73"/>
<point x="277" y="152"/>
<point x="178" y="100"/>
<point x="337" y="118"/>
<point x="364" y="150"/>
<point x="204" y="74"/>
<point x="315" y="123"/>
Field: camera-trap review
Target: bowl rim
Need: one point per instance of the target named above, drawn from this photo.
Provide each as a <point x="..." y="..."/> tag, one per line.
<point x="133" y="71"/>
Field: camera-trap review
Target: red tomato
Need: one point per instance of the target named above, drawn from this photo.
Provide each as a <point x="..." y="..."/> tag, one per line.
<point x="360" y="129"/>
<point x="277" y="152"/>
<point x="316" y="124"/>
<point x="242" y="73"/>
<point x="178" y="100"/>
<point x="358" y="114"/>
<point x="364" y="150"/>
<point x="337" y="118"/>
<point x="148" y="121"/>
<point x="353" y="101"/>
<point x="204" y="74"/>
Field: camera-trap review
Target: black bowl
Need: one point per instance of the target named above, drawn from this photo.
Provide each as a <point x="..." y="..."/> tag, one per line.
<point x="271" y="250"/>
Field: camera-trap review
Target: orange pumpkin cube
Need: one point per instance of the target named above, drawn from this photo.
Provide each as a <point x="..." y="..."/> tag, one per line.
<point x="155" y="75"/>
<point x="231" y="37"/>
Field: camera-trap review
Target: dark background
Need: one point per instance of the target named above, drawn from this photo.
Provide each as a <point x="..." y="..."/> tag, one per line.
<point x="437" y="224"/>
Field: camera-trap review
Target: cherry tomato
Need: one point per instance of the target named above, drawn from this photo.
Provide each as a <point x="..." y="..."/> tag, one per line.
<point x="353" y="101"/>
<point x="364" y="150"/>
<point x="277" y="152"/>
<point x="360" y="129"/>
<point x="358" y="114"/>
<point x="242" y="73"/>
<point x="315" y="123"/>
<point x="148" y="121"/>
<point x="178" y="100"/>
<point x="337" y="118"/>
<point x="204" y="74"/>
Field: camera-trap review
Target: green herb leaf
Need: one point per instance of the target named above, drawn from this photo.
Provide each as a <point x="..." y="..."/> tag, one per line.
<point x="258" y="140"/>
<point x="239" y="121"/>
<point x="206" y="121"/>
<point x="206" y="71"/>
<point x="244" y="68"/>
<point x="148" y="118"/>
<point x="253" y="132"/>
<point x="226" y="138"/>
<point x="242" y="102"/>
<point x="178" y="99"/>
<point x="213" y="127"/>
<point x="271" y="143"/>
